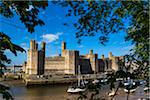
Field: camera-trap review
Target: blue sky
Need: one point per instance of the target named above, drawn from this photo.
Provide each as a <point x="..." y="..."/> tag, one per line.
<point x="54" y="32"/>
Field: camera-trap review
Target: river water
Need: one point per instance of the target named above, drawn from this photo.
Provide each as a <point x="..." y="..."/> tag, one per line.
<point x="58" y="92"/>
<point x="52" y="92"/>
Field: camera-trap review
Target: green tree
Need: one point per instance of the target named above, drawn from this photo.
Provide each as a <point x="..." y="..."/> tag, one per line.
<point x="28" y="13"/>
<point x="6" y="44"/>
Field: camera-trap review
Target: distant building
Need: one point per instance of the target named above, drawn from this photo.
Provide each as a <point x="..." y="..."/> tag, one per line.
<point x="67" y="62"/>
<point x="14" y="68"/>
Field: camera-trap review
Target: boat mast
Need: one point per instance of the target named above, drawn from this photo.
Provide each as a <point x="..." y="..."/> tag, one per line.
<point x="79" y="72"/>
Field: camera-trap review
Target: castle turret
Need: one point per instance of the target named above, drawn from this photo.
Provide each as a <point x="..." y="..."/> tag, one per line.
<point x="63" y="46"/>
<point x="32" y="59"/>
<point x="36" y="46"/>
<point x="91" y="52"/>
<point x="110" y="56"/>
<point x="32" y="45"/>
<point x="103" y="57"/>
<point x="63" y="49"/>
<point x="41" y="59"/>
<point x="43" y="46"/>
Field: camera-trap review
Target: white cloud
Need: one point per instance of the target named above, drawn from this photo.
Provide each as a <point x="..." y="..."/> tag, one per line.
<point x="80" y="46"/>
<point x="48" y="38"/>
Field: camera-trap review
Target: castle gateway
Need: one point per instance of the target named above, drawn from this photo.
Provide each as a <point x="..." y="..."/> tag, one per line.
<point x="68" y="62"/>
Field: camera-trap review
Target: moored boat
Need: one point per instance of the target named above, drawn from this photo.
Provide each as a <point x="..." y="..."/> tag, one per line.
<point x="80" y="87"/>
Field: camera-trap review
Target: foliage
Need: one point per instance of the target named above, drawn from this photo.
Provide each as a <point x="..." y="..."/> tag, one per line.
<point x="6" y="44"/>
<point x="5" y="93"/>
<point x="28" y="13"/>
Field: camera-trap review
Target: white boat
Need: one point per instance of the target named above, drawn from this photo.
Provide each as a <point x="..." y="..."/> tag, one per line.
<point x="112" y="93"/>
<point x="76" y="89"/>
<point x="80" y="87"/>
<point x="95" y="81"/>
<point x="130" y="86"/>
<point x="104" y="80"/>
<point x="146" y="88"/>
<point x="131" y="91"/>
<point x="129" y="82"/>
<point x="119" y="79"/>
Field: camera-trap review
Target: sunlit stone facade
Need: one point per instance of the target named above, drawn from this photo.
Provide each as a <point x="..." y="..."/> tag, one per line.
<point x="68" y="62"/>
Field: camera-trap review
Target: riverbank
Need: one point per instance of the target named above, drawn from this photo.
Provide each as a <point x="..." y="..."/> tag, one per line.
<point x="58" y="92"/>
<point x="57" y="79"/>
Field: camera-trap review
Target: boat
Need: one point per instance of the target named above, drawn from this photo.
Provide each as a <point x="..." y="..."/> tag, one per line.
<point x="80" y="87"/>
<point x="104" y="80"/>
<point x="130" y="91"/>
<point x="112" y="93"/>
<point x="96" y="81"/>
<point x="146" y="89"/>
<point x="76" y="89"/>
<point x="130" y="86"/>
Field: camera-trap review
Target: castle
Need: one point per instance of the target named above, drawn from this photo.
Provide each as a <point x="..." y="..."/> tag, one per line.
<point x="67" y="62"/>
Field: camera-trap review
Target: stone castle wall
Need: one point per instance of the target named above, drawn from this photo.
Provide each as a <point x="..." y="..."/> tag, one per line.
<point x="68" y="62"/>
<point x="54" y="65"/>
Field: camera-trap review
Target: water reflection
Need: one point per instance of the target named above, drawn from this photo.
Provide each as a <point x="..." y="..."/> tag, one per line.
<point x="58" y="92"/>
<point x="52" y="92"/>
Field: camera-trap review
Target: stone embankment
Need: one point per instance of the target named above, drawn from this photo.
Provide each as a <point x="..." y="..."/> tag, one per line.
<point x="57" y="79"/>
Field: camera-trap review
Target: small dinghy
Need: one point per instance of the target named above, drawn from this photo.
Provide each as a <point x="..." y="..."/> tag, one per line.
<point x="130" y="91"/>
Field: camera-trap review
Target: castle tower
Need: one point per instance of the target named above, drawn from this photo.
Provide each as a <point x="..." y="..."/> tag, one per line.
<point x="43" y="45"/>
<point x="63" y="46"/>
<point x="36" y="46"/>
<point x="93" y="60"/>
<point x="115" y="65"/>
<point x="63" y="49"/>
<point x="32" y="59"/>
<point x="110" y="56"/>
<point x="91" y="52"/>
<point x="103" y="57"/>
<point x="41" y="59"/>
<point x="32" y="45"/>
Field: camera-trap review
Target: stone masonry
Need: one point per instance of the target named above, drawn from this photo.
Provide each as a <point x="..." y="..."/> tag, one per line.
<point x="68" y="62"/>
